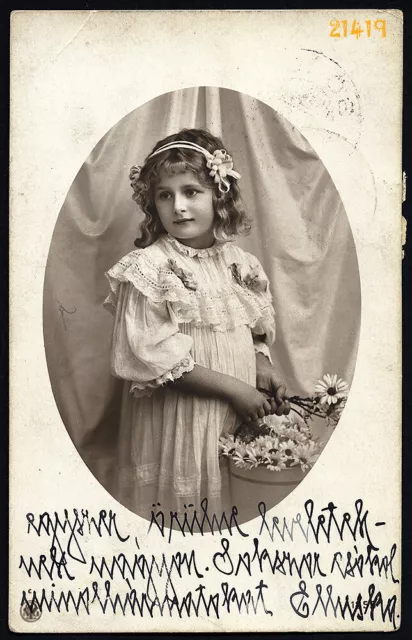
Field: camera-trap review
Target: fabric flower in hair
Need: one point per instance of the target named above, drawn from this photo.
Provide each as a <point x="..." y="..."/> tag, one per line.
<point x="134" y="174"/>
<point x="221" y="166"/>
<point x="184" y="275"/>
<point x="138" y="187"/>
<point x="249" y="277"/>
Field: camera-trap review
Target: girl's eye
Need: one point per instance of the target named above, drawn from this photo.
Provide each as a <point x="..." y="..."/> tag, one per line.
<point x="191" y="192"/>
<point x="163" y="195"/>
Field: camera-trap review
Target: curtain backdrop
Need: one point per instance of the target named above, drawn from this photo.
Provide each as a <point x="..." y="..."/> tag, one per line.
<point x="300" y="234"/>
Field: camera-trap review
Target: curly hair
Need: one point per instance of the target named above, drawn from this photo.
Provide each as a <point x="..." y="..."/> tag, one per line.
<point x="230" y="216"/>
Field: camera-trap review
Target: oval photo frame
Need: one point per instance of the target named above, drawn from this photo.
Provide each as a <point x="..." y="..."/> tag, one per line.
<point x="301" y="236"/>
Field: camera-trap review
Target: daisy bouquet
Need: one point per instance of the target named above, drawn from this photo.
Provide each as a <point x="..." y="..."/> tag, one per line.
<point x="275" y="446"/>
<point x="279" y="444"/>
<point x="327" y="402"/>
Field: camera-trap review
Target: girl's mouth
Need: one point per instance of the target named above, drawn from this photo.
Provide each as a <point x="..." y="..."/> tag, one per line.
<point x="183" y="221"/>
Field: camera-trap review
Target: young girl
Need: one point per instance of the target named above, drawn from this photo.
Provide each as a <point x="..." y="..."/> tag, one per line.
<point x="193" y="325"/>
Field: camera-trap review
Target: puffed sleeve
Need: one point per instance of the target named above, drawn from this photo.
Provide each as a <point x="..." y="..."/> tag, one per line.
<point x="260" y="345"/>
<point x="147" y="347"/>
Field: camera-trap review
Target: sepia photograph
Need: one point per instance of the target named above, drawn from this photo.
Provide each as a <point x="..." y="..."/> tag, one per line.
<point x="209" y="227"/>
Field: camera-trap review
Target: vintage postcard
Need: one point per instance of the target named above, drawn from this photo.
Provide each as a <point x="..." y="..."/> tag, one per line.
<point x="205" y="321"/>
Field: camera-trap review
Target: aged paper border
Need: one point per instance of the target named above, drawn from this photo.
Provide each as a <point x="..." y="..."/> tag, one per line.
<point x="59" y="83"/>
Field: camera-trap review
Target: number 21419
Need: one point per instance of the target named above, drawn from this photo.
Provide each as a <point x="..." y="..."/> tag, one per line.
<point x="340" y="28"/>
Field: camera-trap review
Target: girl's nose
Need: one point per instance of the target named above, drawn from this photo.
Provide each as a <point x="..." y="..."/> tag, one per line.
<point x="180" y="203"/>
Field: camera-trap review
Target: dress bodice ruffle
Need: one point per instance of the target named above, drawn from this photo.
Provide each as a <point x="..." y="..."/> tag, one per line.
<point x="199" y="284"/>
<point x="191" y="252"/>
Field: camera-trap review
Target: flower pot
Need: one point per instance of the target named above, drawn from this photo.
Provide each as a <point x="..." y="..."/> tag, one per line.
<point x="251" y="486"/>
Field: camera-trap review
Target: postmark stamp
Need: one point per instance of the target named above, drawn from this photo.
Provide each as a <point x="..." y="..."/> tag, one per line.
<point x="30" y="611"/>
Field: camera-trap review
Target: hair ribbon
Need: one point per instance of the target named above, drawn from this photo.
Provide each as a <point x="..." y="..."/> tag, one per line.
<point x="219" y="163"/>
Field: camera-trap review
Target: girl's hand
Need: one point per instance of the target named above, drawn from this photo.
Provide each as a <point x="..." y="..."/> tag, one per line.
<point x="249" y="403"/>
<point x="269" y="384"/>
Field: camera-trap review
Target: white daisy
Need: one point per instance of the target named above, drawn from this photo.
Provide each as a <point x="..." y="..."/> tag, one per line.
<point x="287" y="447"/>
<point x="266" y="443"/>
<point x="241" y="464"/>
<point x="276" y="462"/>
<point x="253" y="456"/>
<point x="296" y="435"/>
<point x="330" y="388"/>
<point x="306" y="454"/>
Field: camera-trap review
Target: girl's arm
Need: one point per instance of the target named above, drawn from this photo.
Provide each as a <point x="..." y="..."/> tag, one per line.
<point x="247" y="401"/>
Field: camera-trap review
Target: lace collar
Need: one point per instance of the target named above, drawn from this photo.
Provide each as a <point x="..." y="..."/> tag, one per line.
<point x="191" y="252"/>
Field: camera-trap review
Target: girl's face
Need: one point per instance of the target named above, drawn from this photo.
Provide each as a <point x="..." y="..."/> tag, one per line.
<point x="185" y="208"/>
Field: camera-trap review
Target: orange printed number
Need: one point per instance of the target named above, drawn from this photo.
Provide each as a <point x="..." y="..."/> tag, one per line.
<point x="380" y="25"/>
<point x="339" y="28"/>
<point x="356" y="29"/>
<point x="335" y="24"/>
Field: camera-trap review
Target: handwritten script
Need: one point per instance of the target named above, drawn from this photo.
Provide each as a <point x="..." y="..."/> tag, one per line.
<point x="238" y="574"/>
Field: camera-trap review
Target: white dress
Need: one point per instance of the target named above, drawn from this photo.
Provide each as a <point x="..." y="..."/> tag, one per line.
<point x="175" y="307"/>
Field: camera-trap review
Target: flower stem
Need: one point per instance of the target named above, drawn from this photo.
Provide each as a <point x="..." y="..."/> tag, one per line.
<point x="302" y="406"/>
